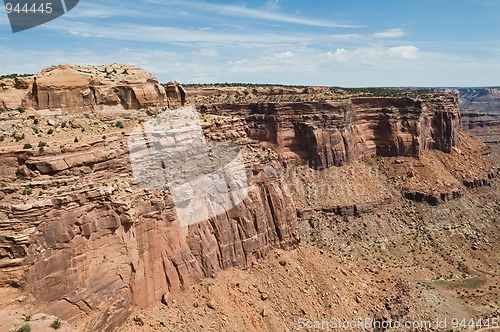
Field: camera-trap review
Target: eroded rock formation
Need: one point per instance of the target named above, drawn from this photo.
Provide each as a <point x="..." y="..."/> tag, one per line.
<point x="326" y="134"/>
<point x="483" y="125"/>
<point x="98" y="248"/>
<point x="77" y="89"/>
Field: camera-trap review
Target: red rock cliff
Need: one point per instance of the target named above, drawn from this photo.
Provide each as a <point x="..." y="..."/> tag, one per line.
<point x="326" y="134"/>
<point x="95" y="244"/>
<point x="76" y="89"/>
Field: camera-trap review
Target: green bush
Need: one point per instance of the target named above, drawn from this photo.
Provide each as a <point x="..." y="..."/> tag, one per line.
<point x="42" y="144"/>
<point x="21" y="109"/>
<point x="2" y="138"/>
<point x="3" y="185"/>
<point x="27" y="191"/>
<point x="75" y="140"/>
<point x="25" y="328"/>
<point x="56" y="324"/>
<point x="19" y="137"/>
<point x="64" y="124"/>
<point x="45" y="187"/>
<point x="36" y="121"/>
<point x="119" y="124"/>
<point x="27" y="146"/>
<point x="50" y="131"/>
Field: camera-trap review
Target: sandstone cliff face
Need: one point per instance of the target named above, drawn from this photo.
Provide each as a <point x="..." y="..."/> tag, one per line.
<point x="77" y="89"/>
<point x="480" y="99"/>
<point x="326" y="134"/>
<point x="94" y="248"/>
<point x="483" y="125"/>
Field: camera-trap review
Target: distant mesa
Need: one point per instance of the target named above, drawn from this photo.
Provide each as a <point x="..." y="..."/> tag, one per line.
<point x="76" y="89"/>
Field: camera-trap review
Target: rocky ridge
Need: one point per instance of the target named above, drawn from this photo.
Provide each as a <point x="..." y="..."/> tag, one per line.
<point x="79" y="89"/>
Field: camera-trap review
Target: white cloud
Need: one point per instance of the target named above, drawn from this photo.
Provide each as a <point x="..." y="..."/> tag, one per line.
<point x="272" y="5"/>
<point x="392" y="33"/>
<point x="241" y="11"/>
<point x="167" y="35"/>
<point x="340" y="55"/>
<point x="285" y="55"/>
<point x="404" y="52"/>
<point x="207" y="52"/>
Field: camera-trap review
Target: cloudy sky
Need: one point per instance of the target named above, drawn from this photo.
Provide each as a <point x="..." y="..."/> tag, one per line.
<point x="322" y="42"/>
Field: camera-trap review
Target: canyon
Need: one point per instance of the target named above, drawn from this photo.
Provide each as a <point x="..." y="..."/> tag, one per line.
<point x="81" y="240"/>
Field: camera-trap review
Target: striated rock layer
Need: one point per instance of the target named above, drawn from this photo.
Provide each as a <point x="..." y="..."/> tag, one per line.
<point x="326" y="134"/>
<point x="76" y="89"/>
<point x="483" y="125"/>
<point x="94" y="248"/>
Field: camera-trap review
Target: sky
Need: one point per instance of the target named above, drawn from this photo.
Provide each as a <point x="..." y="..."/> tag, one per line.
<point x="349" y="43"/>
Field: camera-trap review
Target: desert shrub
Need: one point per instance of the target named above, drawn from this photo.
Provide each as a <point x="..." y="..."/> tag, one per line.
<point x="19" y="137"/>
<point x="2" y="138"/>
<point x="25" y="328"/>
<point x="27" y="191"/>
<point x="27" y="146"/>
<point x="119" y="124"/>
<point x="75" y="140"/>
<point x="21" y="109"/>
<point x="64" y="124"/>
<point x="45" y="187"/>
<point x="56" y="324"/>
<point x="36" y="121"/>
<point x="50" y="131"/>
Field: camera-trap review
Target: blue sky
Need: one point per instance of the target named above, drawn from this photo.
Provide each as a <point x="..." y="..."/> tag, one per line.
<point x="334" y="42"/>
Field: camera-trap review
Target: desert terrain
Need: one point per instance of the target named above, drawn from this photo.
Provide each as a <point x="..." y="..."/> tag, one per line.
<point x="378" y="206"/>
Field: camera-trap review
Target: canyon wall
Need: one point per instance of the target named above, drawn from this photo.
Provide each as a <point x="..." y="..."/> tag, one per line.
<point x="94" y="244"/>
<point x="325" y="134"/>
<point x="483" y="125"/>
<point x="480" y="99"/>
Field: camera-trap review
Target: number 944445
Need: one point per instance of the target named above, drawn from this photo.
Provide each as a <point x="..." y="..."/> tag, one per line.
<point x="40" y="8"/>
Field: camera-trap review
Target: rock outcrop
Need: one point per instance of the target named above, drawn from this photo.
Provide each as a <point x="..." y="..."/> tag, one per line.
<point x="88" y="247"/>
<point x="326" y="134"/>
<point x="480" y="99"/>
<point x="78" y="89"/>
<point x="483" y="125"/>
